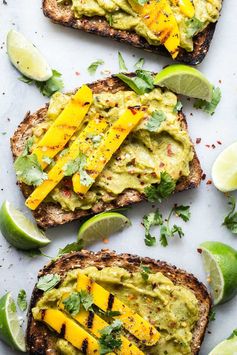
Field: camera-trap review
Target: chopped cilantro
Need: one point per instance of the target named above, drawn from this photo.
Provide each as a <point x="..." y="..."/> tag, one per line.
<point x="212" y="315"/>
<point x="183" y="212"/>
<point x="110" y="339"/>
<point x="76" y="246"/>
<point x="78" y="165"/>
<point x="143" y="81"/>
<point x="145" y="271"/>
<point x="139" y="64"/>
<point x="233" y="334"/>
<point x="150" y="220"/>
<point x="230" y="220"/>
<point x="209" y="107"/>
<point x="154" y="122"/>
<point x="29" y="171"/>
<point x="178" y="107"/>
<point x="21" y="300"/>
<point x="193" y="26"/>
<point x="158" y="192"/>
<point x="95" y="138"/>
<point x="75" y="300"/>
<point x="122" y="65"/>
<point x="48" y="282"/>
<point x="110" y="19"/>
<point x="94" y="66"/>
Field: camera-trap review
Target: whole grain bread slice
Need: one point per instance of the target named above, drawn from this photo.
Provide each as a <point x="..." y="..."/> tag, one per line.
<point x="51" y="214"/>
<point x="40" y="339"/>
<point x="62" y="14"/>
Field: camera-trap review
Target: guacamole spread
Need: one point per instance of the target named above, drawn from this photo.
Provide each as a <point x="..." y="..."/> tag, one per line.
<point x="172" y="309"/>
<point x="149" y="149"/>
<point x="120" y="15"/>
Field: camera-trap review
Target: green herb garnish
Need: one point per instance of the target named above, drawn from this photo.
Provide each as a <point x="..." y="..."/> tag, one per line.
<point x="212" y="315"/>
<point x="21" y="300"/>
<point x="110" y="339"/>
<point x="209" y="107"/>
<point x="178" y="107"/>
<point x="75" y="300"/>
<point x="145" y="272"/>
<point x="122" y="65"/>
<point x="48" y="282"/>
<point x="233" y="334"/>
<point x="157" y="192"/>
<point x="94" y="66"/>
<point x="78" y="165"/>
<point x="139" y="64"/>
<point x="230" y="220"/>
<point x="154" y="122"/>
<point x="193" y="27"/>
<point x="142" y="83"/>
<point x="70" y="247"/>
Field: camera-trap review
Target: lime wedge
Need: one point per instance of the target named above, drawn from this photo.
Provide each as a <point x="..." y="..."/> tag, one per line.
<point x="224" y="169"/>
<point x="10" y="330"/>
<point x="226" y="347"/>
<point x="27" y="58"/>
<point x="102" y="226"/>
<point x="185" y="80"/>
<point x="220" y="263"/>
<point x="18" y="230"/>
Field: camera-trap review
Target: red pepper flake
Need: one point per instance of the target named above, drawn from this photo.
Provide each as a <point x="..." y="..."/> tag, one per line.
<point x="213" y="146"/>
<point x="199" y="251"/>
<point x="77" y="73"/>
<point x="169" y="150"/>
<point x="207" y="145"/>
<point x="198" y="140"/>
<point x="161" y="165"/>
<point x="191" y="114"/>
<point x="68" y="183"/>
<point x="67" y="193"/>
<point x="220" y="81"/>
<point x="203" y="176"/>
<point x="219" y="142"/>
<point x="209" y="182"/>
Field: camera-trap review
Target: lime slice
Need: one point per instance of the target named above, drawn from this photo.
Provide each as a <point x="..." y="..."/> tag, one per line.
<point x="102" y="226"/>
<point x="224" y="169"/>
<point x="18" y="230"/>
<point x="26" y="57"/>
<point x="10" y="330"/>
<point x="185" y="80"/>
<point x="220" y="263"/>
<point x="226" y="347"/>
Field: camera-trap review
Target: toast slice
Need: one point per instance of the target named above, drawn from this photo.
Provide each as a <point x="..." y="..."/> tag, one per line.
<point x="51" y="214"/>
<point x="40" y="339"/>
<point x="62" y="14"/>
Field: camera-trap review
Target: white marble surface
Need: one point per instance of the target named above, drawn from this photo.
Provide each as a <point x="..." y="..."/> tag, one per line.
<point x="71" y="51"/>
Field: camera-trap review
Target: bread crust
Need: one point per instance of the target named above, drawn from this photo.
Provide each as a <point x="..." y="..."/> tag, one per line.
<point x="39" y="338"/>
<point x="63" y="15"/>
<point x="51" y="214"/>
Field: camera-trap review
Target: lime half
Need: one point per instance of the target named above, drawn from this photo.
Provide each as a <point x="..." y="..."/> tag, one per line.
<point x="220" y="263"/>
<point x="27" y="58"/>
<point x="18" y="230"/>
<point x="224" y="169"/>
<point x="226" y="347"/>
<point x="102" y="226"/>
<point x="185" y="80"/>
<point x="10" y="330"/>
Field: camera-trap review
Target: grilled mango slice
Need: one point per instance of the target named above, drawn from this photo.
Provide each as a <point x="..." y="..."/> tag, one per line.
<point x="132" y="321"/>
<point x="70" y="330"/>
<point x="95" y="324"/>
<point x="186" y="7"/>
<point x="112" y="141"/>
<point x="62" y="129"/>
<point x="56" y="174"/>
<point x="159" y="18"/>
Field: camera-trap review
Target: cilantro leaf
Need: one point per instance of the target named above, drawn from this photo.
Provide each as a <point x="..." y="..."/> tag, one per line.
<point x="70" y="247"/>
<point x="47" y="160"/>
<point x="110" y="19"/>
<point x="158" y="192"/>
<point x="176" y="229"/>
<point x="122" y="65"/>
<point x="78" y="165"/>
<point x="110" y="339"/>
<point x="178" y="106"/>
<point x="145" y="271"/>
<point x="21" y="300"/>
<point x="165" y="233"/>
<point x="75" y="300"/>
<point x="143" y="81"/>
<point x="183" y="212"/>
<point x="154" y="122"/>
<point x="150" y="220"/>
<point x="139" y="64"/>
<point x="94" y="66"/>
<point x="48" y="282"/>
<point x="48" y="87"/>
<point x="212" y="315"/>
<point x="86" y="300"/>
<point x="209" y="107"/>
<point x="29" y="171"/>
<point x="230" y="220"/>
<point x="95" y="138"/>
<point x="233" y="334"/>
<point x="193" y="26"/>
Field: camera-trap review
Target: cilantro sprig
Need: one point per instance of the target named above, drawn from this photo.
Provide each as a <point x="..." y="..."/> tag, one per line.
<point x="142" y="83"/>
<point x="154" y="122"/>
<point x="48" y="87"/>
<point x="110" y="339"/>
<point x="94" y="66"/>
<point x="48" y="282"/>
<point x="209" y="107"/>
<point x="158" y="192"/>
<point x="122" y="65"/>
<point x="21" y="300"/>
<point x="166" y="231"/>
<point x="76" y="300"/>
<point x="78" y="165"/>
<point x="230" y="220"/>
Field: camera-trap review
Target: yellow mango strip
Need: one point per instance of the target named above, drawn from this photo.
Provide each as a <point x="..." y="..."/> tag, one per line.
<point x="95" y="324"/>
<point x="160" y="19"/>
<point x="186" y="7"/>
<point x="106" y="301"/>
<point x="108" y="146"/>
<point x="70" y="330"/>
<point x="64" y="126"/>
<point x="56" y="174"/>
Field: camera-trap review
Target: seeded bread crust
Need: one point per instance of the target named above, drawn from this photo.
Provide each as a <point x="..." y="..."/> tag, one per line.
<point x="51" y="214"/>
<point x="63" y="15"/>
<point x="41" y="341"/>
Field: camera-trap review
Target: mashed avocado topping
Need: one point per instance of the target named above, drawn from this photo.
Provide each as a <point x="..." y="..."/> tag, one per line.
<point x="155" y="145"/>
<point x="120" y="15"/>
<point x="172" y="309"/>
